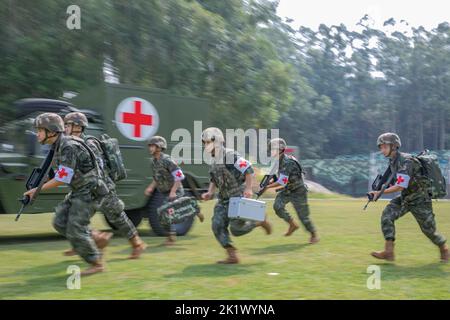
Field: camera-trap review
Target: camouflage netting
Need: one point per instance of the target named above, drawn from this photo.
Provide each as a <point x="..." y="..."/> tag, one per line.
<point x="352" y="174"/>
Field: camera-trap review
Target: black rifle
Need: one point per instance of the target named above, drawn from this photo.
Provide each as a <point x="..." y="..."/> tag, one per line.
<point x="36" y="180"/>
<point x="264" y="183"/>
<point x="381" y="183"/>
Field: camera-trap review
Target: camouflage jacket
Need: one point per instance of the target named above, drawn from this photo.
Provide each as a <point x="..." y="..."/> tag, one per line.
<point x="228" y="172"/>
<point x="165" y="172"/>
<point x="75" y="165"/>
<point x="409" y="176"/>
<point x="289" y="173"/>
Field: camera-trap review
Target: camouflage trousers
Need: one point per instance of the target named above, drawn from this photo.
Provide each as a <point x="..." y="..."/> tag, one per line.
<point x="113" y="209"/>
<point x="72" y="218"/>
<point x="299" y="200"/>
<point x="422" y="212"/>
<point x="221" y="222"/>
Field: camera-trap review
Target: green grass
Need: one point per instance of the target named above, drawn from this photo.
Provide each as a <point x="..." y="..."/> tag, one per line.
<point x="32" y="267"/>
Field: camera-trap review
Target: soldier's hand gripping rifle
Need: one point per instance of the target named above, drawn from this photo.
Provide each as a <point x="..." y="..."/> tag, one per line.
<point x="381" y="183"/>
<point x="37" y="180"/>
<point x="268" y="179"/>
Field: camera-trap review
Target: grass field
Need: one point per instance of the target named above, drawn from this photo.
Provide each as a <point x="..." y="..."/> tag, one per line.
<point x="32" y="266"/>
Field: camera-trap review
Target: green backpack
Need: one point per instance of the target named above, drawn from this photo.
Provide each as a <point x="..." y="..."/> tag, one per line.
<point x="433" y="172"/>
<point x="112" y="157"/>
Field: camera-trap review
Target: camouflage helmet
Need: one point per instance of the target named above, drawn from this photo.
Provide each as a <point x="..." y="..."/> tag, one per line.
<point x="278" y="143"/>
<point x="49" y="121"/>
<point x="158" y="141"/>
<point x="76" y="118"/>
<point x="214" y="135"/>
<point x="389" y="138"/>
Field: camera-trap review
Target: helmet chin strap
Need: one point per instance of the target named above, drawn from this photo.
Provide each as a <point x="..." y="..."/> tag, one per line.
<point x="46" y="137"/>
<point x="391" y="149"/>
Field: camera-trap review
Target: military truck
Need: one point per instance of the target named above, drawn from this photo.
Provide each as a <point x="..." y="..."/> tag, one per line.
<point x="130" y="114"/>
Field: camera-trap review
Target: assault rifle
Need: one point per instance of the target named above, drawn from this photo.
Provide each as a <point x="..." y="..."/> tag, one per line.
<point x="381" y="183"/>
<point x="36" y="180"/>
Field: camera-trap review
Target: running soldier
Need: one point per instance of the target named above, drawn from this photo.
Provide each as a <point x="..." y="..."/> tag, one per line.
<point x="77" y="168"/>
<point x="414" y="198"/>
<point x="232" y="176"/>
<point x="167" y="179"/>
<point x="294" y="190"/>
<point x="110" y="205"/>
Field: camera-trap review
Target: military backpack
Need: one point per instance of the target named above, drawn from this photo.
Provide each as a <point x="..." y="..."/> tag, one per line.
<point x="112" y="156"/>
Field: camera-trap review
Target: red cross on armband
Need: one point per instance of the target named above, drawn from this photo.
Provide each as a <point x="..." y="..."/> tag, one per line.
<point x="402" y="180"/>
<point x="64" y="174"/>
<point x="178" y="175"/>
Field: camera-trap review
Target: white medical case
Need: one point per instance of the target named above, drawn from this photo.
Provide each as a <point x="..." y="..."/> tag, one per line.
<point x="249" y="209"/>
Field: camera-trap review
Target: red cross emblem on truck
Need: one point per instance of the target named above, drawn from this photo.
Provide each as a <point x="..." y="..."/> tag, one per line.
<point x="137" y="119"/>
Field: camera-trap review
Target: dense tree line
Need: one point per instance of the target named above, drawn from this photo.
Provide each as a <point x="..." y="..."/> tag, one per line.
<point x="330" y="91"/>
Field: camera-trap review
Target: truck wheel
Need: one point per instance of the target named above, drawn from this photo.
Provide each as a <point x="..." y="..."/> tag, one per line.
<point x="134" y="215"/>
<point x="155" y="202"/>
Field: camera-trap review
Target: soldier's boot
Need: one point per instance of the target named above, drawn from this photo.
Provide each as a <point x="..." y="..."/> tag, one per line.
<point x="101" y="239"/>
<point x="69" y="253"/>
<point x="231" y="258"/>
<point x="201" y="217"/>
<point x="95" y="267"/>
<point x="266" y="226"/>
<point x="314" y="238"/>
<point x="444" y="253"/>
<point x="387" y="254"/>
<point x="292" y="227"/>
<point x="171" y="239"/>
<point x="138" y="245"/>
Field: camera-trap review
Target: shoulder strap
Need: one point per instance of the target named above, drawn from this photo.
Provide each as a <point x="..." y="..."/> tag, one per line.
<point x="91" y="153"/>
<point x="296" y="162"/>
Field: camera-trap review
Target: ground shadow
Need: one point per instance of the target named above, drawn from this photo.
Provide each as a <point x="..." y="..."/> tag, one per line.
<point x="279" y="248"/>
<point x="215" y="270"/>
<point x="38" y="284"/>
<point x="33" y="238"/>
<point x="391" y="271"/>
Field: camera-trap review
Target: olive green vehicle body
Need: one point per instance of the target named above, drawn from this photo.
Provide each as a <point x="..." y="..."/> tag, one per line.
<point x="20" y="152"/>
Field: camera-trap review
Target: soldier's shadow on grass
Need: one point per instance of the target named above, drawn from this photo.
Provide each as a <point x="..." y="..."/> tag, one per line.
<point x="433" y="270"/>
<point x="150" y="250"/>
<point x="279" y="248"/>
<point x="39" y="284"/>
<point x="215" y="270"/>
<point x="21" y="239"/>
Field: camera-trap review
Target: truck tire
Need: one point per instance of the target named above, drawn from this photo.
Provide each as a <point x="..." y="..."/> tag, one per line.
<point x="134" y="215"/>
<point x="151" y="212"/>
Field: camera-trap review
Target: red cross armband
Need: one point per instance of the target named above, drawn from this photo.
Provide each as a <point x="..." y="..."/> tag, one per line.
<point x="178" y="175"/>
<point x="283" y="180"/>
<point x="242" y="165"/>
<point x="402" y="180"/>
<point x="64" y="174"/>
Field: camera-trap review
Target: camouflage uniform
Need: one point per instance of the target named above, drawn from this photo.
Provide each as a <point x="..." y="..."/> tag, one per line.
<point x="165" y="171"/>
<point x="231" y="183"/>
<point x="414" y="198"/>
<point x="294" y="191"/>
<point x="72" y="216"/>
<point x="110" y="205"/>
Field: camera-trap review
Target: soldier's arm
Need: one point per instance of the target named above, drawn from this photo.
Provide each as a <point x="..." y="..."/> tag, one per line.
<point x="211" y="190"/>
<point x="248" y="192"/>
<point x="403" y="176"/>
<point x="53" y="183"/>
